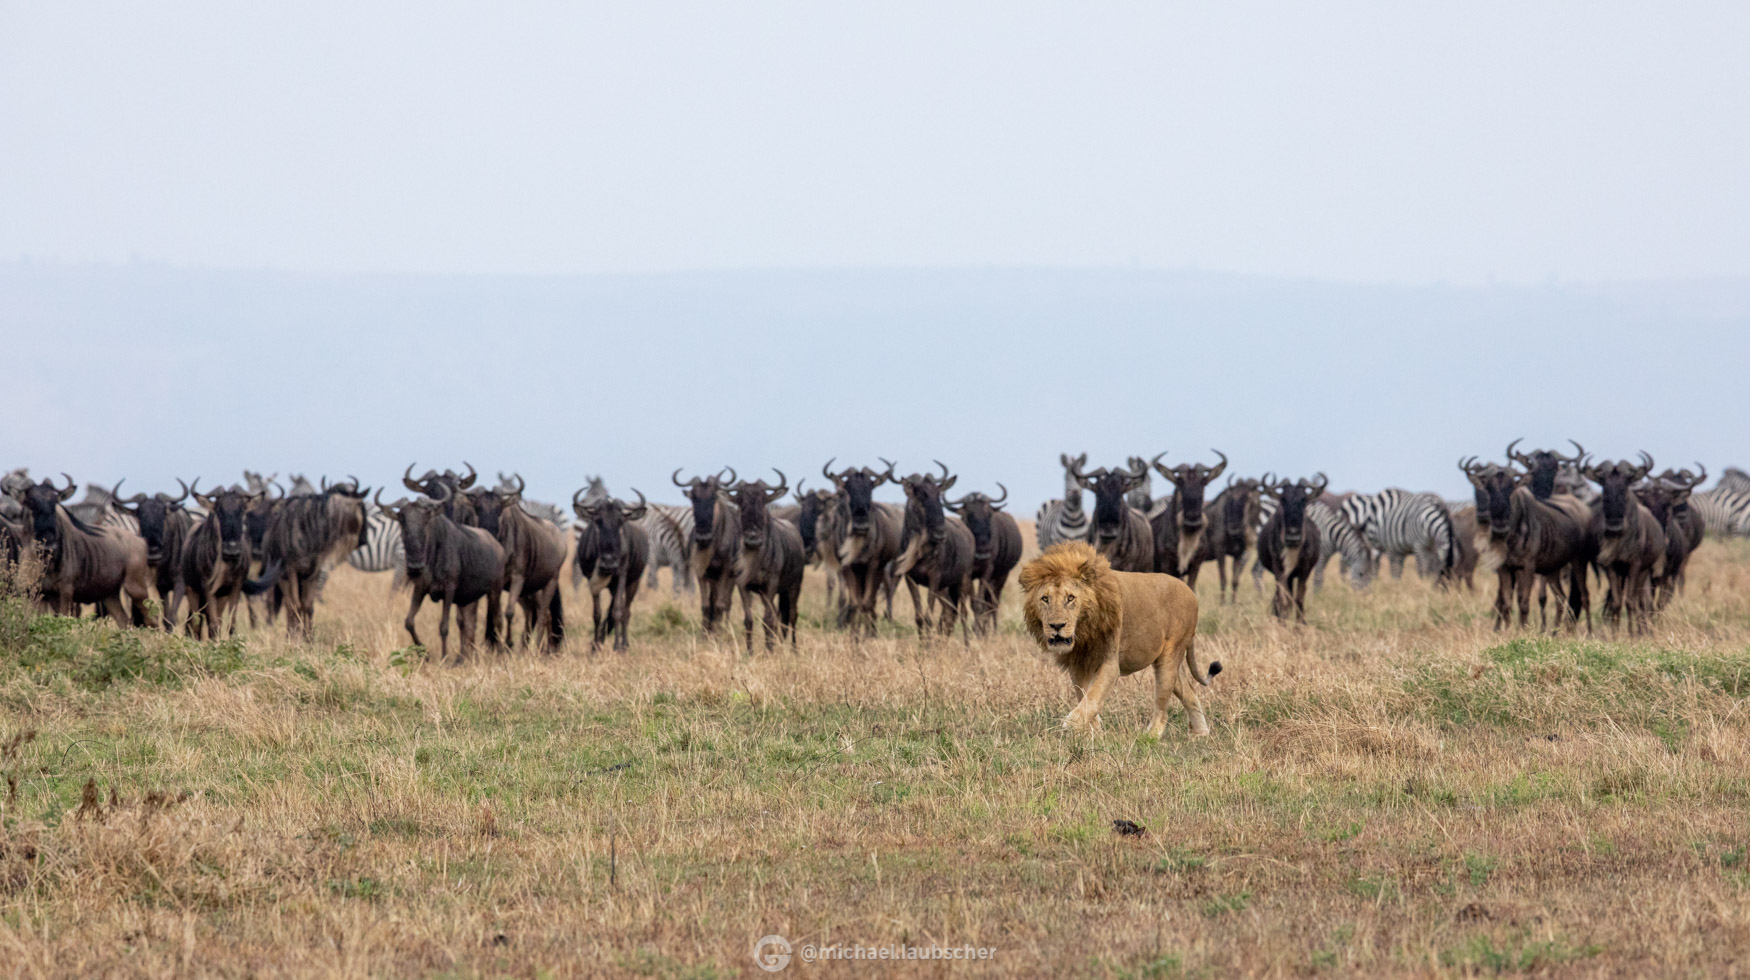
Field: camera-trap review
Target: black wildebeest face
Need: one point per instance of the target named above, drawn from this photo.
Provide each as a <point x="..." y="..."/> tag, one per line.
<point x="924" y="503"/>
<point x="1542" y="466"/>
<point x="456" y="502"/>
<point x="751" y="500"/>
<point x="488" y="507"/>
<point x="978" y="511"/>
<point x="1294" y="498"/>
<point x="228" y="507"/>
<point x="812" y="504"/>
<point x="41" y="500"/>
<point x="1235" y="506"/>
<point x="153" y="514"/>
<point x="1189" y="481"/>
<point x="610" y="518"/>
<point x="1493" y="486"/>
<point x="1109" y="488"/>
<point x="346" y="503"/>
<point x="1614" y="481"/>
<point x="416" y="517"/>
<point x="858" y="486"/>
<point x="702" y="494"/>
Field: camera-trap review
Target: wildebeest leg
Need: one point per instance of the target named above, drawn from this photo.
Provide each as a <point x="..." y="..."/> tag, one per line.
<point x="449" y="600"/>
<point x="628" y="592"/>
<point x="466" y="619"/>
<point x="1503" y="605"/>
<point x="597" y="629"/>
<point x="917" y="604"/>
<point x="1300" y="599"/>
<point x="789" y="610"/>
<point x="889" y="586"/>
<point x="412" y="611"/>
<point x="513" y="599"/>
<point x="769" y="618"/>
<point x="1522" y="591"/>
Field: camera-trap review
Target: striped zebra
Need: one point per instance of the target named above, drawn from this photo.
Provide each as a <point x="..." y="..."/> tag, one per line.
<point x="670" y="531"/>
<point x="1724" y="512"/>
<point x="382" y="551"/>
<point x="1399" y="523"/>
<point x="1063" y="520"/>
<point x="1340" y="539"/>
<point x="1735" y="480"/>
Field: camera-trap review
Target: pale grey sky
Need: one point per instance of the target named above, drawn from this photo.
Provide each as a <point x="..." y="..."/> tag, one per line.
<point x="1369" y="142"/>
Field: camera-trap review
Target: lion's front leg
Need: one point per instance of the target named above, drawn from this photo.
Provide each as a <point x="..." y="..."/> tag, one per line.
<point x="1086" y="716"/>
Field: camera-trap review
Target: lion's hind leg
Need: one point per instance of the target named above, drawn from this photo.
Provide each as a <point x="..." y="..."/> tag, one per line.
<point x="1183" y="687"/>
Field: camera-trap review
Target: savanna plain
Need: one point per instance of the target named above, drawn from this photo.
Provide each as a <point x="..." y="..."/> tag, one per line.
<point x="1395" y="789"/>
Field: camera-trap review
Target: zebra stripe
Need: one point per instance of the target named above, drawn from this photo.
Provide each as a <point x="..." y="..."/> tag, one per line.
<point x="670" y="531"/>
<point x="382" y="551"/>
<point x="1735" y="480"/>
<point x="1399" y="523"/>
<point x="1724" y="512"/>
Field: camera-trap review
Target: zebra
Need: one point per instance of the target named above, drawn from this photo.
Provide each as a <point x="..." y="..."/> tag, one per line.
<point x="1398" y="523"/>
<point x="1724" y="512"/>
<point x="1735" y="480"/>
<point x="1063" y="520"/>
<point x="1341" y="541"/>
<point x="670" y="531"/>
<point x="382" y="551"/>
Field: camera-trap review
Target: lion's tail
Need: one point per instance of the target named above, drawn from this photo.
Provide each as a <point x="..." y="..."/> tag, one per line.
<point x="1191" y="662"/>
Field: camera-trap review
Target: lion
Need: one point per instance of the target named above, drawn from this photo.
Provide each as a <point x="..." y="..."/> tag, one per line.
<point x="1103" y="624"/>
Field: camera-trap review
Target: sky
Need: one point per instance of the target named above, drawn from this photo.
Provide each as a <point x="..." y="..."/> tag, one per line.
<point x="578" y="238"/>
<point x="1358" y="142"/>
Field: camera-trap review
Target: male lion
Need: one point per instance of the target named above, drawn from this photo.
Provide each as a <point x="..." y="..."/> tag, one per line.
<point x="1103" y="624"/>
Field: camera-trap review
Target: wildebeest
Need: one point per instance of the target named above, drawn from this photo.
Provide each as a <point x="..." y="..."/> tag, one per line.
<point x="1666" y="496"/>
<point x="996" y="550"/>
<point x="716" y="544"/>
<point x="1119" y="532"/>
<point x="866" y="536"/>
<point x="1543" y="467"/>
<point x="534" y="555"/>
<point x="771" y="561"/>
<point x="215" y="561"/>
<point x="165" y="526"/>
<point x="813" y="507"/>
<point x="1289" y="545"/>
<point x="81" y="563"/>
<point x="612" y="550"/>
<point x="458" y="506"/>
<point x="1531" y="538"/>
<point x="1630" y="544"/>
<point x="456" y="565"/>
<point x="305" y="538"/>
<point x="1233" y="530"/>
<point x="1188" y="517"/>
<point x="935" y="550"/>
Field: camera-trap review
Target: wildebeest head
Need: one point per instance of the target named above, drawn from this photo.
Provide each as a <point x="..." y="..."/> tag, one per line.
<point x="812" y="503"/>
<point x="255" y="522"/>
<point x="610" y="518"/>
<point x="923" y="493"/>
<point x="457" y="505"/>
<point x="1542" y="466"/>
<point x="1109" y="488"/>
<point x="1189" y="481"/>
<point x="1292" y="499"/>
<point x="702" y="493"/>
<point x="1239" y="503"/>
<point x="41" y="501"/>
<point x="1494" y="493"/>
<point x="858" y="486"/>
<point x="1682" y="483"/>
<point x="227" y="507"/>
<point x="978" y="511"/>
<point x="1614" y="480"/>
<point x="346" y="503"/>
<point x="751" y="500"/>
<point x="416" y="518"/>
<point x="152" y="513"/>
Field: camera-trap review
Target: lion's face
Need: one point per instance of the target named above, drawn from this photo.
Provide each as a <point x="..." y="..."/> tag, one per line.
<point x="1059" y="606"/>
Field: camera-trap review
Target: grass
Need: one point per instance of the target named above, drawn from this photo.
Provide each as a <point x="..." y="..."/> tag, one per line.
<point x="1394" y="789"/>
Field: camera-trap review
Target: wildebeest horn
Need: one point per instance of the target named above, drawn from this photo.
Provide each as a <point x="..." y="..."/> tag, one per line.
<point x="1579" y="451"/>
<point x="520" y="485"/>
<point x="1646" y="464"/>
<point x="999" y="501"/>
<point x="468" y="481"/>
<point x="1696" y="481"/>
<point x="732" y="477"/>
<point x="71" y="486"/>
<point x="675" y="477"/>
<point x="322" y="483"/>
<point x="447" y="492"/>
<point x="407" y="480"/>
<point x="826" y="470"/>
<point x="1319" y="488"/>
<point x="781" y="489"/>
<point x="889" y="476"/>
<point x="637" y="513"/>
<point x="1156" y="462"/>
<point x="947" y="479"/>
<point x="1212" y="474"/>
<point x="184" y="496"/>
<point x="1517" y="457"/>
<point x="276" y="485"/>
<point x="582" y="511"/>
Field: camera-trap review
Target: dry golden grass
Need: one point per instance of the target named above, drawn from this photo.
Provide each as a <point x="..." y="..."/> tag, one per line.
<point x="1393" y="790"/>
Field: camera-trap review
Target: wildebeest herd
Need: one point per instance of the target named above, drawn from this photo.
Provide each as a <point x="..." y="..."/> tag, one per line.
<point x="1549" y="522"/>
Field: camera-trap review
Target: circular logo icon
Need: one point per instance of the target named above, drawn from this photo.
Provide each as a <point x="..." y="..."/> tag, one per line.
<point x="772" y="953"/>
